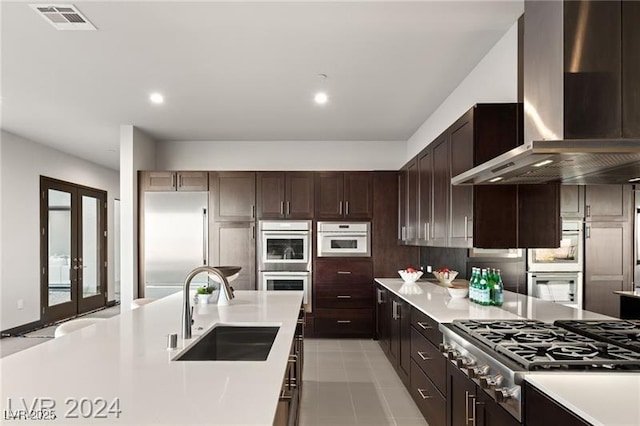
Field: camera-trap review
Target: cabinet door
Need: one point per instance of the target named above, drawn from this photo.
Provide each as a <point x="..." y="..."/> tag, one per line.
<point x="233" y="244"/>
<point x="403" y="177"/>
<point x="234" y="196"/>
<point x="394" y="330"/>
<point x="158" y="181"/>
<point x="270" y="195"/>
<point x="441" y="185"/>
<point x="382" y="320"/>
<point x="358" y="195"/>
<point x="404" y="364"/>
<point x="192" y="181"/>
<point x="461" y="395"/>
<point x="489" y="413"/>
<point x="608" y="260"/>
<point x="329" y="195"/>
<point x="540" y="410"/>
<point x="299" y="195"/>
<point x="461" y="141"/>
<point x="608" y="202"/>
<point x="572" y="201"/>
<point x="425" y="191"/>
<point x="539" y="216"/>
<point x="412" y="202"/>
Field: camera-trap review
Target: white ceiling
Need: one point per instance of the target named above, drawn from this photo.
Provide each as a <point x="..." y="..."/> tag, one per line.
<point x="238" y="71"/>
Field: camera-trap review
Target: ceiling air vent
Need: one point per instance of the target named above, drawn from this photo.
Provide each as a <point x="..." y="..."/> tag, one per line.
<point x="63" y="17"/>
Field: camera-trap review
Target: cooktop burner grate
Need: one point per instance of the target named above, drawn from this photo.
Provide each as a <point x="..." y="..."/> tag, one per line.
<point x="492" y="325"/>
<point x="527" y="336"/>
<point x="623" y="333"/>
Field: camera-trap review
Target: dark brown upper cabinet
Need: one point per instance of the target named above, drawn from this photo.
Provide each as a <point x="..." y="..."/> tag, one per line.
<point x="425" y="201"/>
<point x="233" y="196"/>
<point x="285" y="195"/>
<point x="174" y="181"/>
<point x="441" y="190"/>
<point x="403" y="197"/>
<point x="461" y="141"/>
<point x="343" y="195"/>
<point x="412" y="202"/>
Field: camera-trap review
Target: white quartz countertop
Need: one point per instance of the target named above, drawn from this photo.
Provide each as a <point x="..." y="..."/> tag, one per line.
<point x="125" y="359"/>
<point x="634" y="293"/>
<point x="435" y="301"/>
<point x="603" y="399"/>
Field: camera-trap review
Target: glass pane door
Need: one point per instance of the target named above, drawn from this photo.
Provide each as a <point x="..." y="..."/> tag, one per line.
<point x="59" y="247"/>
<point x="91" y="247"/>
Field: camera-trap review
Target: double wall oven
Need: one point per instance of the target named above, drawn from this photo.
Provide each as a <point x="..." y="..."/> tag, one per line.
<point x="284" y="257"/>
<point x="555" y="274"/>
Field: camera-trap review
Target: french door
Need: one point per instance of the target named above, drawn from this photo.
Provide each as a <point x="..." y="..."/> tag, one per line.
<point x="73" y="249"/>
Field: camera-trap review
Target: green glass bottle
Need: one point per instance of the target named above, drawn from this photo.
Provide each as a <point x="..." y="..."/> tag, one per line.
<point x="499" y="289"/>
<point x="491" y="282"/>
<point x="483" y="288"/>
<point x="473" y="285"/>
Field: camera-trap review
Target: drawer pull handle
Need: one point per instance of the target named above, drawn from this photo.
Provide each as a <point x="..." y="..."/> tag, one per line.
<point x="344" y="272"/>
<point x="422" y="355"/>
<point x="344" y="321"/>
<point x="423" y="395"/>
<point x="344" y="297"/>
<point x="424" y="326"/>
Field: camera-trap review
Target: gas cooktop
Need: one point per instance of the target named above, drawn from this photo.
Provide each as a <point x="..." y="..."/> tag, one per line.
<point x="534" y="345"/>
<point x="623" y="333"/>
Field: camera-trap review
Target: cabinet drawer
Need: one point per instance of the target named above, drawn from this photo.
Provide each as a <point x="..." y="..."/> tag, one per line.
<point x="429" y="359"/>
<point x="431" y="403"/>
<point x="343" y="271"/>
<point x="343" y="296"/>
<point x="427" y="326"/>
<point x="344" y="322"/>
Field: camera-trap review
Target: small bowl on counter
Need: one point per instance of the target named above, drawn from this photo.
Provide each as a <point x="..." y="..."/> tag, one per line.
<point x="445" y="278"/>
<point x="459" y="289"/>
<point x="410" y="277"/>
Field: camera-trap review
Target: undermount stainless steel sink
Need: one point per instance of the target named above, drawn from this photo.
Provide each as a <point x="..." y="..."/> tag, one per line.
<point x="232" y="343"/>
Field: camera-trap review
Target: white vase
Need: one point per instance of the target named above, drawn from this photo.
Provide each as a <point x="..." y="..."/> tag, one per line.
<point x="203" y="299"/>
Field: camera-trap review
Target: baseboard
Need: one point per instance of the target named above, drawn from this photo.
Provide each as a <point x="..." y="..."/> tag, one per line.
<point x="21" y="329"/>
<point x="112" y="303"/>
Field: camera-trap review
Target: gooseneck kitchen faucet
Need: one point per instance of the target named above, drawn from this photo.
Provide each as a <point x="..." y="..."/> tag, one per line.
<point x="224" y="295"/>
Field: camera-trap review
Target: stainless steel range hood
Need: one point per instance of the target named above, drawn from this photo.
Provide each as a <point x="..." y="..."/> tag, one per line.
<point x="569" y="161"/>
<point x="580" y="126"/>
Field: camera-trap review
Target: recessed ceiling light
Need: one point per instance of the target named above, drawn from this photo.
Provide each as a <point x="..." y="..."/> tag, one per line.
<point x="156" y="98"/>
<point x="321" y="98"/>
<point x="495" y="179"/>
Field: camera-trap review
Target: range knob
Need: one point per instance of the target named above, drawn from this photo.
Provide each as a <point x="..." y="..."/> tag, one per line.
<point x="487" y="382"/>
<point x="444" y="347"/>
<point x="474" y="371"/>
<point x="464" y="362"/>
<point x="505" y="394"/>
<point x="453" y="355"/>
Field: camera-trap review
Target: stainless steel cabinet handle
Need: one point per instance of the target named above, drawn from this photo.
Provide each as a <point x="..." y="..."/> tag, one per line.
<point x="340" y="204"/>
<point x="282" y="207"/>
<point x="588" y="210"/>
<point x="587" y="233"/>
<point x="253" y="211"/>
<point x="428" y="230"/>
<point x="344" y="321"/>
<point x="344" y="272"/>
<point x="395" y="311"/>
<point x="180" y="180"/>
<point x="344" y="297"/>
<point x="173" y="180"/>
<point x="466" y="226"/>
<point x="346" y="209"/>
<point x="288" y="208"/>
<point x="423" y="356"/>
<point x="424" y="326"/>
<point x="253" y="232"/>
<point x="404" y="233"/>
<point x="380" y="301"/>
<point x="423" y="395"/>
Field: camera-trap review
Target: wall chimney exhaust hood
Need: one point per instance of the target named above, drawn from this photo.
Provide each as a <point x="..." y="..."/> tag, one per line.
<point x="581" y="97"/>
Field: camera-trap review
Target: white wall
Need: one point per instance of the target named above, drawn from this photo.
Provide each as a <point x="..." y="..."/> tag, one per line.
<point x="494" y="79"/>
<point x="137" y="152"/>
<point x="281" y="155"/>
<point x="22" y="162"/>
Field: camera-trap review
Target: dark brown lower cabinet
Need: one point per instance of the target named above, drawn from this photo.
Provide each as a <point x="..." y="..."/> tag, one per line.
<point x="468" y="405"/>
<point x="382" y="318"/>
<point x="400" y="338"/>
<point x="540" y="410"/>
<point x="344" y="322"/>
<point x="431" y="403"/>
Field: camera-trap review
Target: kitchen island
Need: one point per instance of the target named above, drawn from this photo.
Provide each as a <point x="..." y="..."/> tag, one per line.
<point x="629" y="303"/>
<point x="597" y="397"/>
<point x="123" y="364"/>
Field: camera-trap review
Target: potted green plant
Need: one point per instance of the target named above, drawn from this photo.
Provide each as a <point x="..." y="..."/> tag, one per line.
<point x="204" y="294"/>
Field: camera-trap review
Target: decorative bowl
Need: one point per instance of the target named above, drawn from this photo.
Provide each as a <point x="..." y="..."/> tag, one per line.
<point x="445" y="278"/>
<point x="458" y="292"/>
<point x="410" y="277"/>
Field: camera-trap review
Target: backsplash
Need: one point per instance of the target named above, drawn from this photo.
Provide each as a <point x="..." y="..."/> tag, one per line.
<point x="438" y="257"/>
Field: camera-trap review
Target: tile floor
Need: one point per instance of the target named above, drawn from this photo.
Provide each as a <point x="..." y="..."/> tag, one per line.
<point x="346" y="381"/>
<point x="351" y="382"/>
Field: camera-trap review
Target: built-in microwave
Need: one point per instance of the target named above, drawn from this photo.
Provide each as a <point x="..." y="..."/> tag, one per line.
<point x="344" y="239"/>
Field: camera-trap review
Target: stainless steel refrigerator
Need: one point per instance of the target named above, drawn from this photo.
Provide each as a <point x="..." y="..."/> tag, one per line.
<point x="175" y="240"/>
